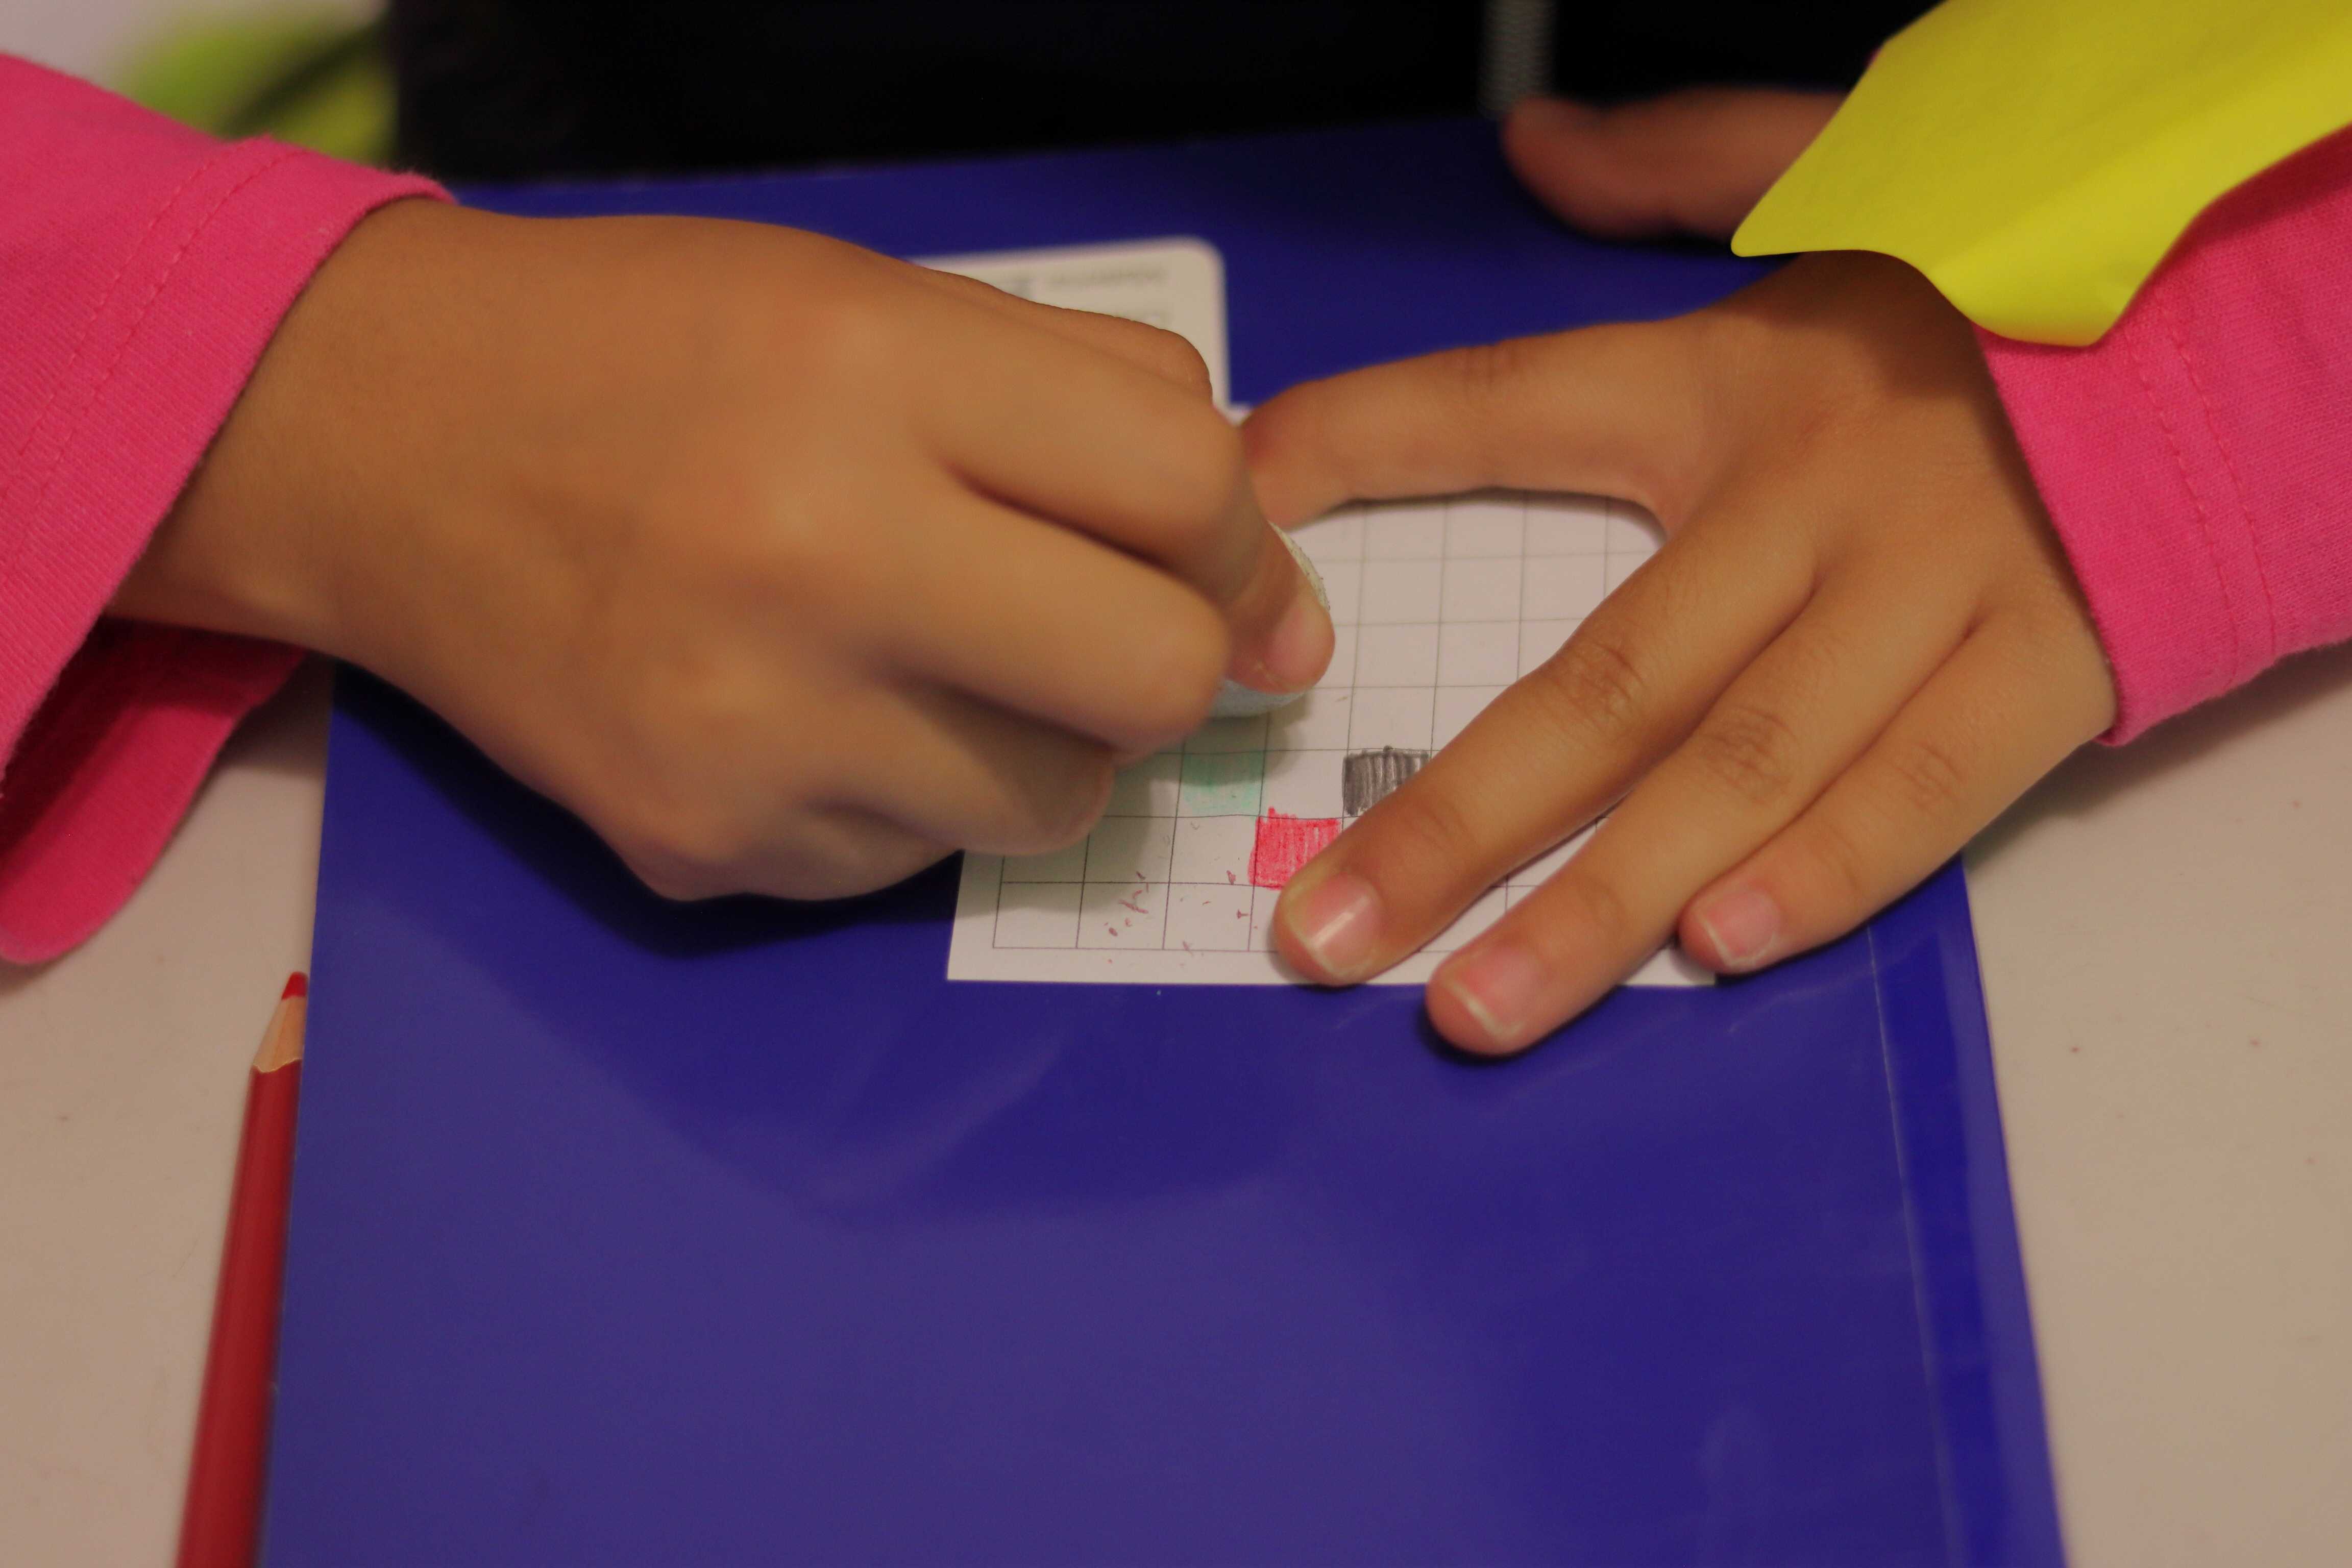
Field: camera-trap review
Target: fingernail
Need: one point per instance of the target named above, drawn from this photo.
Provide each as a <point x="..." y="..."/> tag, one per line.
<point x="1501" y="987"/>
<point x="1337" y="923"/>
<point x="1743" y="926"/>
<point x="1300" y="647"/>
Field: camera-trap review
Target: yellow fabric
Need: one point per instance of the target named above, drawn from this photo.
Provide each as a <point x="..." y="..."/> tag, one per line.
<point x="2037" y="158"/>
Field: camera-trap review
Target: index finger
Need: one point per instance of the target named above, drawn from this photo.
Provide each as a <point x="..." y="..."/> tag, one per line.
<point x="1060" y="426"/>
<point x="1612" y="410"/>
<point x="1546" y="757"/>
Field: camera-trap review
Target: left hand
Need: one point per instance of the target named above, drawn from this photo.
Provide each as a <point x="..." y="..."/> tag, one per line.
<point x="1860" y="642"/>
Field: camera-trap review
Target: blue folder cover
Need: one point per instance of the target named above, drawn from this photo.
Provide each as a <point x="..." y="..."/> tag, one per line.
<point x="631" y="1233"/>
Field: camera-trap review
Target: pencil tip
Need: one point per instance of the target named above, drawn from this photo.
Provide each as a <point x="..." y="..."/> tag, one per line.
<point x="297" y="984"/>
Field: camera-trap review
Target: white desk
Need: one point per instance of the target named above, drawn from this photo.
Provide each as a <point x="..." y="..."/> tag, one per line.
<point x="2166" y="936"/>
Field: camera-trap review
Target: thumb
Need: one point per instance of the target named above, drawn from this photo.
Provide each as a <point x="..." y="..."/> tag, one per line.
<point x="1691" y="161"/>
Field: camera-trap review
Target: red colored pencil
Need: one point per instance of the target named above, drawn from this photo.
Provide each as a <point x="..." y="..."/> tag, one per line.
<point x="222" y="1522"/>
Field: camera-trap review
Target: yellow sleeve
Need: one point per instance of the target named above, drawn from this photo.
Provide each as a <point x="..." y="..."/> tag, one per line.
<point x="2037" y="158"/>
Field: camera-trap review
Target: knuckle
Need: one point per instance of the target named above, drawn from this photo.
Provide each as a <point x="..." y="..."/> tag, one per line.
<point x="2050" y="641"/>
<point x="1838" y="863"/>
<point x="669" y="881"/>
<point x="1175" y="358"/>
<point x="1427" y="838"/>
<point x="885" y="864"/>
<point x="843" y="862"/>
<point x="699" y="716"/>
<point x="830" y="852"/>
<point x="1929" y="779"/>
<point x="1594" y="685"/>
<point x="1749" y="751"/>
<point x="683" y="858"/>
<point x="1208" y="470"/>
<point x="1602" y="906"/>
<point x="683" y="841"/>
<point x="1488" y="373"/>
<point x="856" y="330"/>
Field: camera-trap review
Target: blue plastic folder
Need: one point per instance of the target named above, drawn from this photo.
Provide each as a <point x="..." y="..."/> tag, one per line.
<point x="630" y="1233"/>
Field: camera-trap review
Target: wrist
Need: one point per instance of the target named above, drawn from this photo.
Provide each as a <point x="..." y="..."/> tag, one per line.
<point x="257" y="542"/>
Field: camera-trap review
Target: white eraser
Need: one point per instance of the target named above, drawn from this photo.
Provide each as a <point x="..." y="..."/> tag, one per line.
<point x="1236" y="701"/>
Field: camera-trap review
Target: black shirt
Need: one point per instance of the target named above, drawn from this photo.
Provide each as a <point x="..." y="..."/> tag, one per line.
<point x="515" y="89"/>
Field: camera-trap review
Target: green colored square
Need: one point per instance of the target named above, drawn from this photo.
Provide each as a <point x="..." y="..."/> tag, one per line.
<point x="1223" y="784"/>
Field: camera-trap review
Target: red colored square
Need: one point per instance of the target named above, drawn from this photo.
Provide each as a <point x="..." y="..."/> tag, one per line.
<point x="1285" y="844"/>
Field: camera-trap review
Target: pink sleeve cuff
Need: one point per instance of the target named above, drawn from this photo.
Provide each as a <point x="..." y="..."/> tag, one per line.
<point x="145" y="269"/>
<point x="2197" y="460"/>
<point x="108" y="768"/>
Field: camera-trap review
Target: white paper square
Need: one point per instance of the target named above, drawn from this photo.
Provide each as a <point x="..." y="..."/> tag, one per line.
<point x="1342" y="673"/>
<point x="1147" y="788"/>
<point x="1567" y="525"/>
<point x="1067" y="864"/>
<point x="1116" y="916"/>
<point x="1484" y="653"/>
<point x="1489" y="523"/>
<point x="1338" y="537"/>
<point x="1391" y="716"/>
<point x="1404" y="530"/>
<point x="1471" y="923"/>
<point x="1038" y="914"/>
<point x="1670" y="965"/>
<point x="1631" y="530"/>
<point x="1213" y="850"/>
<point x="1457" y="705"/>
<point x="1303" y="784"/>
<point x="1539" y="640"/>
<point x="1542" y="868"/>
<point x="1209" y="919"/>
<point x="1482" y="590"/>
<point x="1130" y="849"/>
<point x="1396" y="656"/>
<point x="1262" y="918"/>
<point x="1562" y="587"/>
<point x="1343" y="584"/>
<point x="1398" y="591"/>
<point x="1316" y="722"/>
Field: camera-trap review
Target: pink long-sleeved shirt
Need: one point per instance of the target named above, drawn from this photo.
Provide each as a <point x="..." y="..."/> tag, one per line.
<point x="2196" y="460"/>
<point x="142" y="270"/>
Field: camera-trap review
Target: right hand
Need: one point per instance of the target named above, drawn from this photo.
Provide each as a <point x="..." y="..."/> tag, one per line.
<point x="790" y="568"/>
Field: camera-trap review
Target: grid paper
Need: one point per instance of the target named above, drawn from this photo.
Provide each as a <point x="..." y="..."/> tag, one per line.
<point x="1439" y="606"/>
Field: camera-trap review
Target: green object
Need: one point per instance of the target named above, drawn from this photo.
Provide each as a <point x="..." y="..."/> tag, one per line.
<point x="311" y="78"/>
<point x="1223" y="784"/>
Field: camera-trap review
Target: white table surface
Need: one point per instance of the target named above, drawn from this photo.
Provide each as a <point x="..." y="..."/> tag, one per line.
<point x="2167" y="938"/>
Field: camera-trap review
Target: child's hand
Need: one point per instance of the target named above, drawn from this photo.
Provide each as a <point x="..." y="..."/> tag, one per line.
<point x="787" y="566"/>
<point x="1859" y="643"/>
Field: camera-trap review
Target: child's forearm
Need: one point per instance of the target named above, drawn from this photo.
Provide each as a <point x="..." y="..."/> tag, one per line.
<point x="147" y="267"/>
<point x="2197" y="461"/>
<point x="980" y="548"/>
